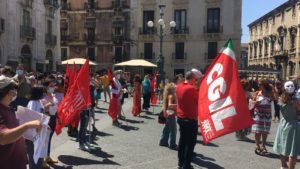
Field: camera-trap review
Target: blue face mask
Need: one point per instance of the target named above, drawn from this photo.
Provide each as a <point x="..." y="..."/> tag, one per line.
<point x="19" y="72"/>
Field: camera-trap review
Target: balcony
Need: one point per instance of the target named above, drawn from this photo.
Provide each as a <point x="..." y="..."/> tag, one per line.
<point x="183" y="30"/>
<point x="118" y="23"/>
<point x="64" y="38"/>
<point x="117" y="38"/>
<point x="212" y="33"/>
<point x="179" y="58"/>
<point x="90" y="23"/>
<point x="2" y="25"/>
<point x="89" y="38"/>
<point x="51" y="3"/>
<point x="74" y="37"/>
<point x="27" y="32"/>
<point x="148" y="31"/>
<point x="50" y="39"/>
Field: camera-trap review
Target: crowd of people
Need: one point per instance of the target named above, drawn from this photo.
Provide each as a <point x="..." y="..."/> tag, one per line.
<point x="271" y="101"/>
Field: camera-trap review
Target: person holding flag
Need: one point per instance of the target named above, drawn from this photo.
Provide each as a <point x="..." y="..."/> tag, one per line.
<point x="187" y="113"/>
<point x="114" y="110"/>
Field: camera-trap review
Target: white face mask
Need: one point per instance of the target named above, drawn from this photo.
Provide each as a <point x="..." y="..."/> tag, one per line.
<point x="118" y="76"/>
<point x="59" y="81"/>
<point x="289" y="87"/>
<point x="50" y="90"/>
<point x="15" y="97"/>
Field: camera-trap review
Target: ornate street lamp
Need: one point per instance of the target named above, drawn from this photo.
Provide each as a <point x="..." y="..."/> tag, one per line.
<point x="160" y="59"/>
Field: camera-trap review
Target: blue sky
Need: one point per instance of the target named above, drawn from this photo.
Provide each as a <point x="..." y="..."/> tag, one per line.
<point x="254" y="9"/>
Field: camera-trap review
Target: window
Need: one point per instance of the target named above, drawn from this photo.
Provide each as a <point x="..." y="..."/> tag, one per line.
<point x="26" y="18"/>
<point x="212" y="50"/>
<point x="147" y="16"/>
<point x="64" y="53"/>
<point x="178" y="71"/>
<point x="91" y="33"/>
<point x="91" y="53"/>
<point x="179" y="50"/>
<point x="180" y="19"/>
<point x="118" y="54"/>
<point x="266" y="46"/>
<point x="118" y="31"/>
<point x="64" y="34"/>
<point x="213" y="20"/>
<point x="49" y="26"/>
<point x="148" y="50"/>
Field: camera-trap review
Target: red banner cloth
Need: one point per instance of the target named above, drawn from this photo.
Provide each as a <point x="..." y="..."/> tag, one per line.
<point x="77" y="99"/>
<point x="153" y="87"/>
<point x="222" y="107"/>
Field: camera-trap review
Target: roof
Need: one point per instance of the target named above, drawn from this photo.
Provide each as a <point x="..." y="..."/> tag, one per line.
<point x="274" y="12"/>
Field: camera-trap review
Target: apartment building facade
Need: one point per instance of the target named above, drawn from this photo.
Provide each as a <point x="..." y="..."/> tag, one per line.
<point x="274" y="40"/>
<point x="95" y="29"/>
<point x="202" y="28"/>
<point x="29" y="34"/>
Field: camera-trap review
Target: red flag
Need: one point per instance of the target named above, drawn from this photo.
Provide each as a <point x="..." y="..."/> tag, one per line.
<point x="153" y="87"/>
<point x="77" y="99"/>
<point x="222" y="107"/>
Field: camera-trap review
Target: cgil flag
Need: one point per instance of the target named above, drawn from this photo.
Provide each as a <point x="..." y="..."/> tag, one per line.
<point x="222" y="107"/>
<point x="77" y="99"/>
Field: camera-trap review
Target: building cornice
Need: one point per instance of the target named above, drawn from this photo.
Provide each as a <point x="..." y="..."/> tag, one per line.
<point x="275" y="11"/>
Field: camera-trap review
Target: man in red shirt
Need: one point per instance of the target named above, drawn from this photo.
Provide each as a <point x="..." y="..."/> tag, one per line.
<point x="187" y="112"/>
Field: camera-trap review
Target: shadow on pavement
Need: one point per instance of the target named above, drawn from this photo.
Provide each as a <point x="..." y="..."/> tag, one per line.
<point x="151" y="114"/>
<point x="128" y="128"/>
<point x="147" y="117"/>
<point x="61" y="167"/>
<point x="96" y="151"/>
<point x="205" y="162"/>
<point x="133" y="121"/>
<point x="72" y="160"/>
<point x="209" y="144"/>
<point x="101" y="133"/>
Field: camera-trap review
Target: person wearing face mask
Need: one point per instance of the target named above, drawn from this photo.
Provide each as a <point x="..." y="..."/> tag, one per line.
<point x="187" y="113"/>
<point x="23" y="89"/>
<point x="287" y="138"/>
<point x="12" y="143"/>
<point x="50" y="104"/>
<point x="114" y="109"/>
<point x="262" y="104"/>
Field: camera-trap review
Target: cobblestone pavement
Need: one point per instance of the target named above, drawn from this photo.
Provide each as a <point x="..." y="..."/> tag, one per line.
<point x="135" y="146"/>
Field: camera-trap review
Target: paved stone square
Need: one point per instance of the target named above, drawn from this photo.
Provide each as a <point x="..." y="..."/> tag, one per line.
<point x="135" y="146"/>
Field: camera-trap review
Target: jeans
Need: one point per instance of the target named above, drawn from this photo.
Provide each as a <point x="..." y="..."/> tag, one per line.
<point x="83" y="125"/>
<point x="170" y="129"/>
<point x="146" y="100"/>
<point x="30" y="151"/>
<point x="52" y="125"/>
<point x="188" y="136"/>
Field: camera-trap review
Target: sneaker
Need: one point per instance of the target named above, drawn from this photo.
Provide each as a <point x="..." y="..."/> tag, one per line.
<point x="175" y="147"/>
<point x="164" y="145"/>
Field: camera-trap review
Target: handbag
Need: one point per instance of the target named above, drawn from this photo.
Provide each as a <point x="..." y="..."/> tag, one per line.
<point x="161" y="118"/>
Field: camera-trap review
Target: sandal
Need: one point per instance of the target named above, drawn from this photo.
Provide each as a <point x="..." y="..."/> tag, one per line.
<point x="258" y="151"/>
<point x="264" y="150"/>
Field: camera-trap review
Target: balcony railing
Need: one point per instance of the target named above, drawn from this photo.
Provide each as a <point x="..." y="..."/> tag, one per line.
<point x="118" y="38"/>
<point x="51" y="3"/>
<point x="2" y="25"/>
<point x="27" y="32"/>
<point x="148" y="31"/>
<point x="210" y="30"/>
<point x="27" y="3"/>
<point x="179" y="57"/>
<point x="50" y="39"/>
<point x="64" y="38"/>
<point x="90" y="23"/>
<point x="74" y="37"/>
<point x="183" y="30"/>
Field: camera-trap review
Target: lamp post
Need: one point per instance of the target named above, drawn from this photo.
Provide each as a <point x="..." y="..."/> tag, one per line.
<point x="160" y="60"/>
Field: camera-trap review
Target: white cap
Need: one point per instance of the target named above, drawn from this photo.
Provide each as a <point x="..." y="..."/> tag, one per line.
<point x="197" y="73"/>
